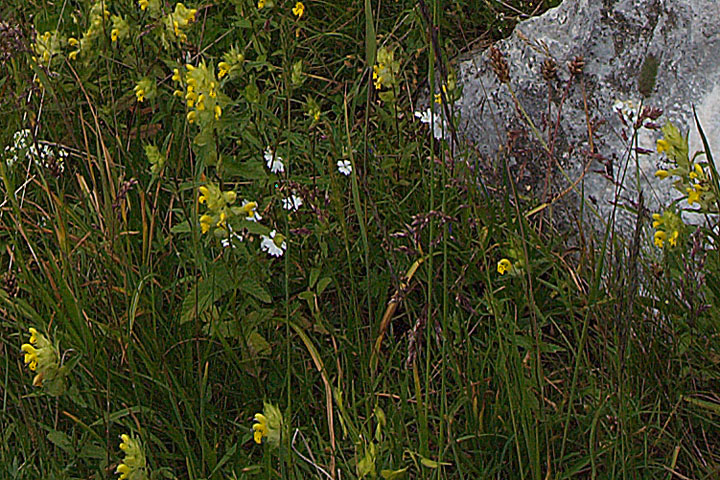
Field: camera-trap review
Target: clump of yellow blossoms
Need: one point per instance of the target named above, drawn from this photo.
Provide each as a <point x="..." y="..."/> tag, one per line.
<point x="153" y="6"/>
<point x="232" y="61"/>
<point x="220" y="210"/>
<point x="42" y="357"/>
<point x="668" y="228"/>
<point x="45" y="47"/>
<point x="385" y="73"/>
<point x="97" y="17"/>
<point x="691" y="178"/>
<point x="134" y="465"/>
<point x="145" y="88"/>
<point x="267" y="426"/>
<point x="177" y="22"/>
<point x="200" y="92"/>
<point x="120" y="28"/>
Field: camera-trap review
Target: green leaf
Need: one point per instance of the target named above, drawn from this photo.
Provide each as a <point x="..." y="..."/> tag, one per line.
<point x="370" y="38"/>
<point x="322" y="284"/>
<point x="62" y="441"/>
<point x="207" y="291"/>
<point x="253" y="288"/>
<point x="394" y="474"/>
<point x="432" y="463"/>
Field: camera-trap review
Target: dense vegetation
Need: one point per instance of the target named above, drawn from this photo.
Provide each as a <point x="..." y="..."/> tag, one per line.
<point x="245" y="240"/>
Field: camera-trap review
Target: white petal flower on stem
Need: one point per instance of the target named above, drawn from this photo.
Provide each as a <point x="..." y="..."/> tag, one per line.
<point x="293" y="202"/>
<point x="269" y="245"/>
<point x="344" y="167"/>
<point x="229" y="240"/>
<point x="438" y="122"/>
<point x="273" y="161"/>
<point x="255" y="217"/>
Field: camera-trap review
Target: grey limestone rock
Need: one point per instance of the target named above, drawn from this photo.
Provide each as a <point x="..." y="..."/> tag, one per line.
<point x="614" y="38"/>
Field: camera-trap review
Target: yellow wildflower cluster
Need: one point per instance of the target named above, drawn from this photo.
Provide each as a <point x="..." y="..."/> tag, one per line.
<point x="220" y="210"/>
<point x="668" y="228"/>
<point x="45" y="47"/>
<point x="98" y="16"/>
<point x="200" y="92"/>
<point x="41" y="356"/>
<point x="134" y="465"/>
<point x="145" y="88"/>
<point x="385" y="73"/>
<point x="120" y="28"/>
<point x="177" y="22"/>
<point x="232" y="61"/>
<point x="153" y="6"/>
<point x="267" y="426"/>
<point x="386" y="69"/>
<point x="691" y="179"/>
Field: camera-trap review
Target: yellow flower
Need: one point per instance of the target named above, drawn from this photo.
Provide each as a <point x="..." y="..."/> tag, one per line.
<point x="660" y="237"/>
<point x="31" y="356"/>
<point x="503" y="266"/>
<point x="662" y="145"/>
<point x="205" y="223"/>
<point x="260" y="429"/>
<point x="674" y="238"/>
<point x="657" y="220"/>
<point x="134" y="465"/>
<point x="261" y="4"/>
<point x="218" y="112"/>
<point x="72" y="41"/>
<point x="223" y="69"/>
<point x="204" y="193"/>
<point x="223" y="218"/>
<point x="143" y="4"/>
<point x="438" y="98"/>
<point x="73" y="55"/>
<point x="140" y="94"/>
<point x="191" y="117"/>
<point x="662" y="174"/>
<point x="694" y="194"/>
<point x="299" y="9"/>
<point x="176" y="75"/>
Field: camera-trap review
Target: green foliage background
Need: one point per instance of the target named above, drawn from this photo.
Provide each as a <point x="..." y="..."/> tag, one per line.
<point x="384" y="334"/>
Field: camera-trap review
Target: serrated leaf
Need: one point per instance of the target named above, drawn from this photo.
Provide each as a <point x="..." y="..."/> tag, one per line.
<point x="254" y="289"/>
<point x="61" y="440"/>
<point x="182" y="227"/>
<point x="258" y="345"/>
<point x="207" y="291"/>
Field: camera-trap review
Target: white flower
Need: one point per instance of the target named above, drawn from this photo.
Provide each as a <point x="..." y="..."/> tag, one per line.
<point x="269" y="245"/>
<point x="273" y="162"/>
<point x="438" y="125"/>
<point x="228" y="241"/>
<point x="344" y="167"/>
<point x="293" y="202"/>
<point x="255" y="217"/>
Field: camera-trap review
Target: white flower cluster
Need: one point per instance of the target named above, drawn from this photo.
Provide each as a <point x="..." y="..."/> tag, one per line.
<point x="629" y="111"/>
<point x="273" y="161"/>
<point x="24" y="148"/>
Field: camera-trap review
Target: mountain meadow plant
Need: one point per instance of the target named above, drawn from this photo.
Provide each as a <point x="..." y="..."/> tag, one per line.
<point x="248" y="239"/>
